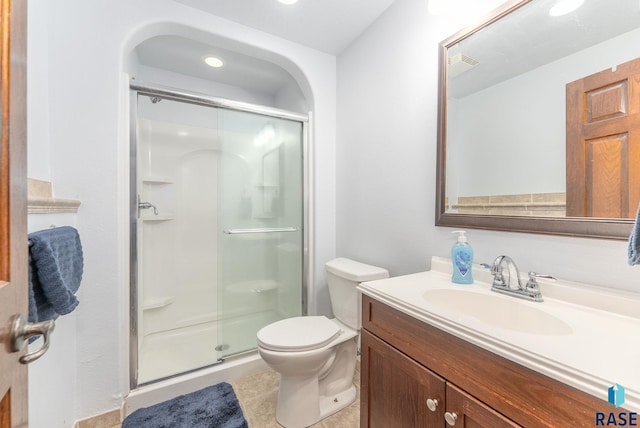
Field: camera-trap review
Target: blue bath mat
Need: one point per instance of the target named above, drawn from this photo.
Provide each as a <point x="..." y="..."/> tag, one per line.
<point x="212" y="407"/>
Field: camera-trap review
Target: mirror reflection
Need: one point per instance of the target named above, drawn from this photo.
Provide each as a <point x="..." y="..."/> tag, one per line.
<point x="543" y="113"/>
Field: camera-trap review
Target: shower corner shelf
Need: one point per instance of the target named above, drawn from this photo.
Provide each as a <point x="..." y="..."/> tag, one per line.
<point x="157" y="180"/>
<point x="158" y="302"/>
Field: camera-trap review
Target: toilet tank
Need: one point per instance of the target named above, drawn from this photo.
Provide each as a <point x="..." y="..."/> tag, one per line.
<point x="343" y="275"/>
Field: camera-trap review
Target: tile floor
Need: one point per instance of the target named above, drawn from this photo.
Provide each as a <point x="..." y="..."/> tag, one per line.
<point x="257" y="395"/>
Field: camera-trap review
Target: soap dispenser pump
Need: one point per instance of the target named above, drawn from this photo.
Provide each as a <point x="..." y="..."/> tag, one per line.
<point x="462" y="259"/>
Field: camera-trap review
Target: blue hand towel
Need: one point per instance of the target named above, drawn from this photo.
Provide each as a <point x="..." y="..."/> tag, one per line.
<point x="634" y="242"/>
<point x="55" y="272"/>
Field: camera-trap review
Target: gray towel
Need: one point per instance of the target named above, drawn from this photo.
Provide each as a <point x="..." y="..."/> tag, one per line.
<point x="55" y="272"/>
<point x="634" y="242"/>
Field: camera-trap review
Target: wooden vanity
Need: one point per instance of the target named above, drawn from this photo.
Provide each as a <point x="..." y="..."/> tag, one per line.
<point x="414" y="375"/>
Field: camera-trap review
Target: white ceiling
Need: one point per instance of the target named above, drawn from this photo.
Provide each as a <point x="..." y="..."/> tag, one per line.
<point x="326" y="25"/>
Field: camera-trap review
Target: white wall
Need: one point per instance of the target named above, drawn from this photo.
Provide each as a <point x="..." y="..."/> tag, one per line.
<point x="386" y="158"/>
<point x="80" y="109"/>
<point x="38" y="158"/>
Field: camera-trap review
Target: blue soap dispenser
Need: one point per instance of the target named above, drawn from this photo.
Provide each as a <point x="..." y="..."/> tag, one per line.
<point x="462" y="259"/>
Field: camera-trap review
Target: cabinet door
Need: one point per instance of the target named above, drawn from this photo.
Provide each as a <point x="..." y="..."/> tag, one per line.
<point x="395" y="389"/>
<point x="465" y="411"/>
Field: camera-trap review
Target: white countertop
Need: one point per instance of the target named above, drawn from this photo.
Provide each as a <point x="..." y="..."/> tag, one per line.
<point x="602" y="349"/>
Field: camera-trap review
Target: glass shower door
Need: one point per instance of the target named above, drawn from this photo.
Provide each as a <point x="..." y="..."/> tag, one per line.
<point x="217" y="231"/>
<point x="261" y="226"/>
<point x="178" y="157"/>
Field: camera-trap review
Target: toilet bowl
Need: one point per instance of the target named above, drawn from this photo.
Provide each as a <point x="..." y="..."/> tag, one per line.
<point x="315" y="355"/>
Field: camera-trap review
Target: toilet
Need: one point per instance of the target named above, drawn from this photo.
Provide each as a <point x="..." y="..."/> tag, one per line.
<point x="315" y="355"/>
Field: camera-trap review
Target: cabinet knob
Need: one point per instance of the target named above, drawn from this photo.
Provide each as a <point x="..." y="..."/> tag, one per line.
<point x="432" y="404"/>
<point x="451" y="418"/>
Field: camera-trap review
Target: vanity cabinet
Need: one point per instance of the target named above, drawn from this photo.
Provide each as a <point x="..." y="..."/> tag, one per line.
<point x="414" y="375"/>
<point x="402" y="393"/>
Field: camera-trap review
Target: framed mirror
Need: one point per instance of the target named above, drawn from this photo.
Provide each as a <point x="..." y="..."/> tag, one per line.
<point x="539" y="120"/>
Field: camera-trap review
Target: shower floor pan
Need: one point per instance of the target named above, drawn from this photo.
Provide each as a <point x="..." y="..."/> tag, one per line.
<point x="169" y="353"/>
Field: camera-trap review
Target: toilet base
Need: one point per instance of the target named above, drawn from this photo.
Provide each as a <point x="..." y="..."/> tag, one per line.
<point x="335" y="403"/>
<point x="296" y="412"/>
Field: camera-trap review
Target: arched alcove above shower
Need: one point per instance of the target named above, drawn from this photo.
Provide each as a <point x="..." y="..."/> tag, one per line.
<point x="178" y="61"/>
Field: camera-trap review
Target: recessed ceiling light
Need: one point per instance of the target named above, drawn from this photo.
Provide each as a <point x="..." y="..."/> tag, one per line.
<point x="565" y="6"/>
<point x="213" y="61"/>
<point x="288" y="1"/>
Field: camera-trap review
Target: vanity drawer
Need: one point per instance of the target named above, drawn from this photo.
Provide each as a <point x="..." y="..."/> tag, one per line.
<point x="521" y="394"/>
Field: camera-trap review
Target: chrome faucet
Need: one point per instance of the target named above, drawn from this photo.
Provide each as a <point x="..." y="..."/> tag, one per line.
<point x="506" y="280"/>
<point x="145" y="206"/>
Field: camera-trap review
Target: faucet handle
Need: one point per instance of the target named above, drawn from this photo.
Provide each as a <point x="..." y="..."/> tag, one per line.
<point x="532" y="284"/>
<point x="496" y="271"/>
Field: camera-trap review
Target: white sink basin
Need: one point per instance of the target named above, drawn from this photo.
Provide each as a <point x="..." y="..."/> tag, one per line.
<point x="499" y="311"/>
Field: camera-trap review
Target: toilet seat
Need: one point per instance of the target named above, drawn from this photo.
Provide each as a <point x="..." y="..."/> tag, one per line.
<point x="298" y="334"/>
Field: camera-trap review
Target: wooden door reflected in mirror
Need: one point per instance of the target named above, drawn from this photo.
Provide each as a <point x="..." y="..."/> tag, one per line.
<point x="603" y="143"/>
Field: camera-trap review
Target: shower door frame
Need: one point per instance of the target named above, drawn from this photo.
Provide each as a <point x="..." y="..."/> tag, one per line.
<point x="164" y="92"/>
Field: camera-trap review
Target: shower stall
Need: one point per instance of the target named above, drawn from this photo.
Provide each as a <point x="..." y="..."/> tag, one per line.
<point x="218" y="227"/>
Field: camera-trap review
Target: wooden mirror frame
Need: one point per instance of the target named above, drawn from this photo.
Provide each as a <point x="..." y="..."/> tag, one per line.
<point x="567" y="226"/>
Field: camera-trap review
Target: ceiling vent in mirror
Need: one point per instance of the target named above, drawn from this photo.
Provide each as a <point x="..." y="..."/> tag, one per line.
<point x="460" y="63"/>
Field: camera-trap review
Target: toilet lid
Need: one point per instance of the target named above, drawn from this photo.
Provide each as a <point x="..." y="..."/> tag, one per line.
<point x="298" y="334"/>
